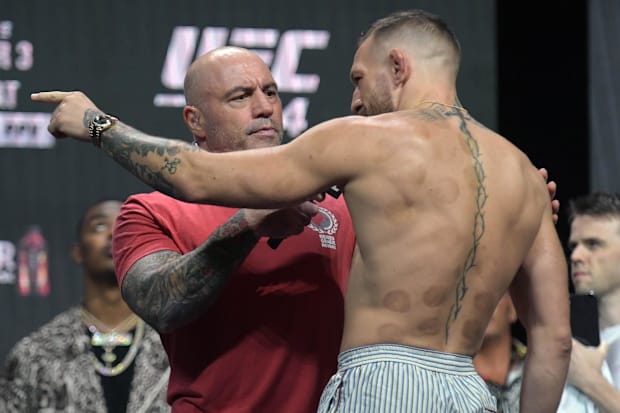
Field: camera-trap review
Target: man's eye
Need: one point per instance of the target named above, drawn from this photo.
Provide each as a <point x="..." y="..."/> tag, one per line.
<point x="100" y="227"/>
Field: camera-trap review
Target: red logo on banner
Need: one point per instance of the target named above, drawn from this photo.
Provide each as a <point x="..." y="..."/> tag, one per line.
<point x="32" y="276"/>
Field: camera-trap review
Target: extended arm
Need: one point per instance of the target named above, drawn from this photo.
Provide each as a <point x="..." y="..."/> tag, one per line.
<point x="540" y="294"/>
<point x="264" y="178"/>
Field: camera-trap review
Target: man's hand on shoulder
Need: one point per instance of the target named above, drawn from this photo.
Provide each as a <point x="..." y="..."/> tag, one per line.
<point x="552" y="187"/>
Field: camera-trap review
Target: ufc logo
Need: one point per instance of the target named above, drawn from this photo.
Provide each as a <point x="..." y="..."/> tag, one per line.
<point x="281" y="51"/>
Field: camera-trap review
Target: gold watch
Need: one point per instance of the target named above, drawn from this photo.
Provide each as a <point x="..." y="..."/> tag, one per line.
<point x="97" y="126"/>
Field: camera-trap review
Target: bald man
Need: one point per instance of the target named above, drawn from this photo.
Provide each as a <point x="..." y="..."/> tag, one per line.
<point x="246" y="328"/>
<point x="446" y="212"/>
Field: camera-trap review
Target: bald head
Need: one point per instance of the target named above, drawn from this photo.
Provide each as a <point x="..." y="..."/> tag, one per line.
<point x="209" y="68"/>
<point x="232" y="101"/>
<point x="425" y="36"/>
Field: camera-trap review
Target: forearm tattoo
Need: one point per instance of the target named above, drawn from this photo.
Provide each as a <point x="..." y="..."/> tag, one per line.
<point x="131" y="148"/>
<point x="169" y="290"/>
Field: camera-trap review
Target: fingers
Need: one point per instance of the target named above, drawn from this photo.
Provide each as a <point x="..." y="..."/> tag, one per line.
<point x="308" y="208"/>
<point x="552" y="187"/>
<point x="555" y="207"/>
<point x="318" y="197"/>
<point x="543" y="172"/>
<point x="49" y="97"/>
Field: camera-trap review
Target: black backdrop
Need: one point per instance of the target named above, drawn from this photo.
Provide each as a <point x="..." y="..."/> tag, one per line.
<point x="116" y="52"/>
<point x="543" y="91"/>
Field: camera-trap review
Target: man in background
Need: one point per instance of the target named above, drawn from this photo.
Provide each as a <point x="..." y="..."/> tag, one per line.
<point x="594" y="243"/>
<point x="95" y="357"/>
<point x="247" y="328"/>
<point x="501" y="356"/>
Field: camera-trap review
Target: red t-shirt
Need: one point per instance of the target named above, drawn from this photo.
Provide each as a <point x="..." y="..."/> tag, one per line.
<point x="270" y="342"/>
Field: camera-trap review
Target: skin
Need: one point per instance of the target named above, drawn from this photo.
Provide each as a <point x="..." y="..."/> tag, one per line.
<point x="493" y="359"/>
<point x="594" y="242"/>
<point x="93" y="251"/>
<point x="445" y="210"/>
<point x="233" y="105"/>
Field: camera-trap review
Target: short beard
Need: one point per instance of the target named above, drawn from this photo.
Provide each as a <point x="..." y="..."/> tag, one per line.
<point x="380" y="102"/>
<point x="379" y="106"/>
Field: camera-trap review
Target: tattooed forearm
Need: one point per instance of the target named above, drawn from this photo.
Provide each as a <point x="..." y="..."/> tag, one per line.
<point x="478" y="224"/>
<point x="169" y="290"/>
<point x="153" y="160"/>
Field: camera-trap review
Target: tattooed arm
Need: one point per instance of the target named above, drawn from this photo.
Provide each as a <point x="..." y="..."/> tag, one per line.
<point x="168" y="289"/>
<point x="290" y="174"/>
<point x="74" y="113"/>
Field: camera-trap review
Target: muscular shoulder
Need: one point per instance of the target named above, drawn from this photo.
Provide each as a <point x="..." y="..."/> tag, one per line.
<point x="365" y="139"/>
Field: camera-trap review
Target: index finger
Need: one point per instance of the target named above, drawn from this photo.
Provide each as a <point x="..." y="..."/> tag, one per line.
<point x="50" y="97"/>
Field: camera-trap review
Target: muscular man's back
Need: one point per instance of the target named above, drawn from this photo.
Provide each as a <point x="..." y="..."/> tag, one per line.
<point x="444" y="217"/>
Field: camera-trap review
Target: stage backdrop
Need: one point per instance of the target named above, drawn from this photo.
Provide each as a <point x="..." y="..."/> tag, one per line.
<point x="130" y="58"/>
<point x="604" y="89"/>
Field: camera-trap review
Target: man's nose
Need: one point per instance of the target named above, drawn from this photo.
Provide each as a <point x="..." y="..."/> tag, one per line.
<point x="262" y="105"/>
<point x="577" y="254"/>
<point x="356" y="102"/>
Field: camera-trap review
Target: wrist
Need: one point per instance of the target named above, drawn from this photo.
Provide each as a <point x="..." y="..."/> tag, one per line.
<point x="252" y="220"/>
<point x="99" y="124"/>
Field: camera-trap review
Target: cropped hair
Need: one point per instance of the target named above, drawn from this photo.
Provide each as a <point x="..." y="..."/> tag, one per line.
<point x="597" y="204"/>
<point x="418" y="20"/>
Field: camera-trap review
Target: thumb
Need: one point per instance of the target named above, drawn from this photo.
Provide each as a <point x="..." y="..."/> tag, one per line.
<point x="603" y="347"/>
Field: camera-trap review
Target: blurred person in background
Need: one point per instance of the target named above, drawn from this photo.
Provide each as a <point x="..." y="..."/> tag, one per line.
<point x="594" y="242"/>
<point x="501" y="356"/>
<point x="96" y="357"/>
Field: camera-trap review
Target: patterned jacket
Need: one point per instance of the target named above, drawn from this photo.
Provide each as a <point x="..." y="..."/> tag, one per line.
<point x="51" y="370"/>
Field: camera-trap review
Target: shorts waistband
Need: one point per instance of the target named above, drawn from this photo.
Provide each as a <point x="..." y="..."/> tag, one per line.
<point x="457" y="364"/>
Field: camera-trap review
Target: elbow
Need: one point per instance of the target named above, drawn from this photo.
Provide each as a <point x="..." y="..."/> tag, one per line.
<point x="190" y="189"/>
<point x="144" y="308"/>
<point x="555" y="341"/>
<point x="162" y="326"/>
<point x="564" y="344"/>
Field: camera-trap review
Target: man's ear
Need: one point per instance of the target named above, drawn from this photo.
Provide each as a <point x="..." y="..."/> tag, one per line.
<point x="76" y="253"/>
<point x="400" y="66"/>
<point x="193" y="119"/>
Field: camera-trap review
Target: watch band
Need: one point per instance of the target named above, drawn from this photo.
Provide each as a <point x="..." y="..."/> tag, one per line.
<point x="97" y="126"/>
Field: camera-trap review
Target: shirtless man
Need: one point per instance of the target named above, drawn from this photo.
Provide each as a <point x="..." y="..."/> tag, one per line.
<point x="445" y="211"/>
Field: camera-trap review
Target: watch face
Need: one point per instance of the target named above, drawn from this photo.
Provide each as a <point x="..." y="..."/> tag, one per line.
<point x="102" y="120"/>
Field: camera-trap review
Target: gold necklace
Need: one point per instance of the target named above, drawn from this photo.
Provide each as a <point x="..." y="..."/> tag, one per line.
<point x="432" y="102"/>
<point x="109" y="338"/>
<point x="93" y="322"/>
<point x="127" y="360"/>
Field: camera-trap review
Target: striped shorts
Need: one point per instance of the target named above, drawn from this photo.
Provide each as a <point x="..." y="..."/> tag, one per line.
<point x="392" y="378"/>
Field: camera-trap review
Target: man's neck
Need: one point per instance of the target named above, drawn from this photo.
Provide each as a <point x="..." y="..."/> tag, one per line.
<point x="441" y="93"/>
<point x="105" y="302"/>
<point x="609" y="309"/>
